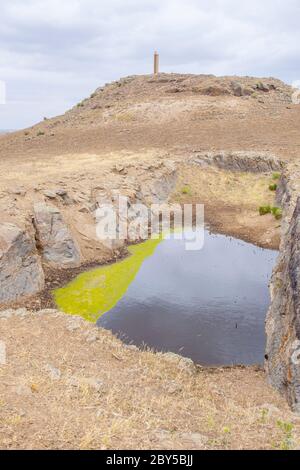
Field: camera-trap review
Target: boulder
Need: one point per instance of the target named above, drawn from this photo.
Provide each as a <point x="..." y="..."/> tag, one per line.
<point x="55" y="240"/>
<point x="239" y="90"/>
<point x="21" y="272"/>
<point x="250" y="161"/>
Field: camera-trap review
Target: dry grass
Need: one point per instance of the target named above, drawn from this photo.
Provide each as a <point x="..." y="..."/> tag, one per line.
<point x="105" y="395"/>
<point x="244" y="190"/>
<point x="232" y="201"/>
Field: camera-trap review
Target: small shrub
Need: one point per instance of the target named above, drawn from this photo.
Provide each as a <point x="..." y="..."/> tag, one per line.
<point x="26" y="133"/>
<point x="93" y="95"/>
<point x="80" y="105"/>
<point x="263" y="210"/>
<point x="273" y="187"/>
<point x="277" y="212"/>
<point x="40" y="133"/>
<point x="186" y="190"/>
<point x="276" y="176"/>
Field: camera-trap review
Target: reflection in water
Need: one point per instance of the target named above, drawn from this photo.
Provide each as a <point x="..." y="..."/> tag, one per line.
<point x="209" y="305"/>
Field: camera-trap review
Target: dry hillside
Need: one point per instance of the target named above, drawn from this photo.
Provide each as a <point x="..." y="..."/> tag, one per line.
<point x="68" y="385"/>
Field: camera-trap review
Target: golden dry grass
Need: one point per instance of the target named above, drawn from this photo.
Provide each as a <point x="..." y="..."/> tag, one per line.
<point x="232" y="201"/>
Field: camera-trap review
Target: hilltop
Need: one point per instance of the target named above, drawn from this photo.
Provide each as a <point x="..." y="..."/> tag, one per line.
<point x="220" y="141"/>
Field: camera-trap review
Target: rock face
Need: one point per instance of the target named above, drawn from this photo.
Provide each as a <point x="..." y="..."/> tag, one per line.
<point x="55" y="240"/>
<point x="283" y="319"/>
<point x="239" y="161"/>
<point x="21" y="272"/>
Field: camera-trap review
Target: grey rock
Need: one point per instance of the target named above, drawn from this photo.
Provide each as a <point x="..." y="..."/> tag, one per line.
<point x="5" y="314"/>
<point x="119" y="168"/>
<point x="92" y="337"/>
<point x="58" y="246"/>
<point x="132" y="347"/>
<point x="193" y="440"/>
<point x="173" y="387"/>
<point x="61" y="192"/>
<point x="47" y="311"/>
<point x="184" y="363"/>
<point x="21" y="312"/>
<point x="74" y="324"/>
<point x="49" y="194"/>
<point x="54" y="373"/>
<point x="21" y="272"/>
<point x="84" y="210"/>
<point x="22" y="390"/>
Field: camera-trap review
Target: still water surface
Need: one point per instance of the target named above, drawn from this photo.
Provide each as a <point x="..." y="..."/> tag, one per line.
<point x="209" y="305"/>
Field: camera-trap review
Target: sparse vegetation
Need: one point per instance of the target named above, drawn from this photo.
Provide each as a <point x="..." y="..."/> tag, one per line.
<point x="273" y="187"/>
<point x="93" y="95"/>
<point x="277" y="212"/>
<point x="276" y="176"/>
<point x="40" y="133"/>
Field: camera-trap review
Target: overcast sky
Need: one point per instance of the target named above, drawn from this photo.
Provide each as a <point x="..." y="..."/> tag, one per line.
<point x="53" y="53"/>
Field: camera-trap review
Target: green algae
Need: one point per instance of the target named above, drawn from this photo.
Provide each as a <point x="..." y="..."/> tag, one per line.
<point x="95" y="292"/>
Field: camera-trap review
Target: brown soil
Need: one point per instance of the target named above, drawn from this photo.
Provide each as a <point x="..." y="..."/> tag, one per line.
<point x="145" y="401"/>
<point x="67" y="384"/>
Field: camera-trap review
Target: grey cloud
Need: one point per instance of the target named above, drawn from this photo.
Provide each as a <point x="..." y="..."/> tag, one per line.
<point x="55" y="52"/>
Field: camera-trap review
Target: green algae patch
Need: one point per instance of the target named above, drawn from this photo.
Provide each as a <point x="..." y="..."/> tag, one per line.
<point x="95" y="292"/>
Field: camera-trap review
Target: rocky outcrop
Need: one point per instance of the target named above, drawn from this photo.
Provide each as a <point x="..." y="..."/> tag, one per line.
<point x="21" y="272"/>
<point x="54" y="238"/>
<point x="153" y="185"/>
<point x="283" y="319"/>
<point x="64" y="235"/>
<point x="238" y="161"/>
